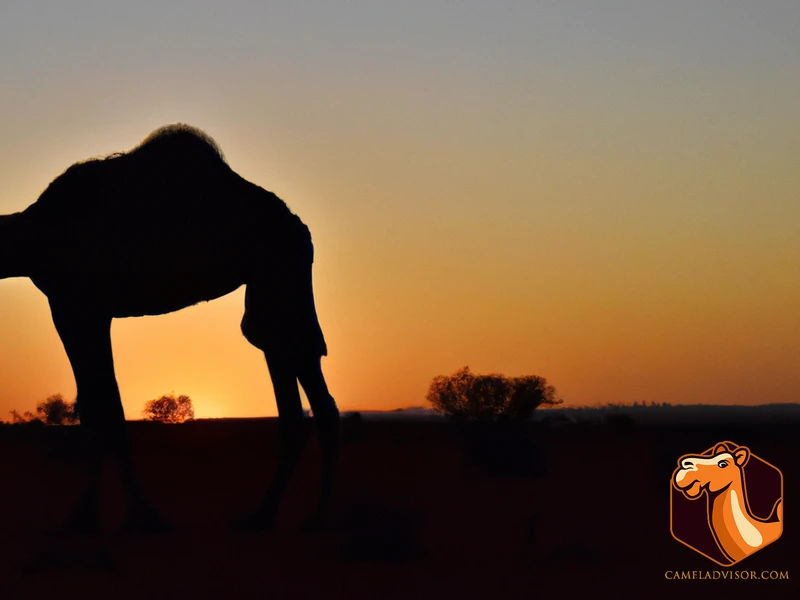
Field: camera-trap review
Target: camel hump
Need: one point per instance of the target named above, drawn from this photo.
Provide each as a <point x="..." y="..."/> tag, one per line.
<point x="179" y="157"/>
<point x="179" y="138"/>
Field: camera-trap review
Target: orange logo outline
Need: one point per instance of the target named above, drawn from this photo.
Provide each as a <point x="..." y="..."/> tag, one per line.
<point x="718" y="474"/>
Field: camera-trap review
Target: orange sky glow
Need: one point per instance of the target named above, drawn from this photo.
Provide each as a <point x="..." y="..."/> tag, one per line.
<point x="616" y="214"/>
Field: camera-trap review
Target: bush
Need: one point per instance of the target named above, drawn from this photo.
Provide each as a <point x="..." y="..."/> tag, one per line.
<point x="466" y="396"/>
<point x="20" y="419"/>
<point x="57" y="411"/>
<point x="52" y="411"/>
<point x="169" y="409"/>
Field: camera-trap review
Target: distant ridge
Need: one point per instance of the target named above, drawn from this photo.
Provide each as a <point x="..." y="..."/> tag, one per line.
<point x="677" y="412"/>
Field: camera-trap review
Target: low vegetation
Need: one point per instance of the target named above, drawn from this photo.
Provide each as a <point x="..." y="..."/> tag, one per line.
<point x="52" y="411"/>
<point x="169" y="409"/>
<point x="468" y="396"/>
<point x="57" y="411"/>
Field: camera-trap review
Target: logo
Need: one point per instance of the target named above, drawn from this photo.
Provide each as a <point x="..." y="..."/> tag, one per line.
<point x="726" y="503"/>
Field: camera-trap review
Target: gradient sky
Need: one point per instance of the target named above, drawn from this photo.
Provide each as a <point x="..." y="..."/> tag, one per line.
<point x="601" y="193"/>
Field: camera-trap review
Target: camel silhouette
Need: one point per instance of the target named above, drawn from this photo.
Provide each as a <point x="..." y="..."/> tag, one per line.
<point x="154" y="230"/>
<point x="737" y="531"/>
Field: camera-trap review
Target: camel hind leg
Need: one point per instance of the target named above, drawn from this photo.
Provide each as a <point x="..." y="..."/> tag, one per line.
<point x="280" y="319"/>
<point x="326" y="418"/>
<point x="86" y="336"/>
<point x="292" y="437"/>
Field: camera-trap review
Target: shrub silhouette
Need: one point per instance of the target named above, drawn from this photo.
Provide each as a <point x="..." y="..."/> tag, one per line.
<point x="57" y="411"/>
<point x="169" y="409"/>
<point x="467" y="396"/>
<point x="21" y="419"/>
<point x="52" y="411"/>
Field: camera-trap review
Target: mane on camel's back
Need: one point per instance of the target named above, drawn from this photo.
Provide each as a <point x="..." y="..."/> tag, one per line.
<point x="179" y="138"/>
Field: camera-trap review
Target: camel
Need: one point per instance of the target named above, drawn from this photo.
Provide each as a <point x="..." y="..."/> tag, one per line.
<point x="163" y="226"/>
<point x="737" y="531"/>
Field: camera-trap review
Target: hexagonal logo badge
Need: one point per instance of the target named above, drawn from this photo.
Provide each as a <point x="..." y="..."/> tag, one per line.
<point x="726" y="503"/>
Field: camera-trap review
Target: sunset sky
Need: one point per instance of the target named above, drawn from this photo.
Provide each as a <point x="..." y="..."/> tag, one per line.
<point x="605" y="194"/>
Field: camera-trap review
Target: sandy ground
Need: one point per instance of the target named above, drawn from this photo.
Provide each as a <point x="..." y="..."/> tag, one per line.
<point x="423" y="510"/>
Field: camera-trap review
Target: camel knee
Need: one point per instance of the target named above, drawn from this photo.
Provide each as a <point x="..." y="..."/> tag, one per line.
<point x="282" y="324"/>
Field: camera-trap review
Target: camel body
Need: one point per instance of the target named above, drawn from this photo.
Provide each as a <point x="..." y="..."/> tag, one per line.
<point x="154" y="230"/>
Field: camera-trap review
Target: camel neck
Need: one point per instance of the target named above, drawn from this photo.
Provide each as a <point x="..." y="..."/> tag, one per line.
<point x="13" y="247"/>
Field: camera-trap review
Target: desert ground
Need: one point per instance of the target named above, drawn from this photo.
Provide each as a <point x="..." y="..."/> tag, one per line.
<point x="573" y="508"/>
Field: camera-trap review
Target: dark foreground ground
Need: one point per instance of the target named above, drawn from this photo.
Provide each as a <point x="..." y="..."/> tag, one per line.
<point x="426" y="510"/>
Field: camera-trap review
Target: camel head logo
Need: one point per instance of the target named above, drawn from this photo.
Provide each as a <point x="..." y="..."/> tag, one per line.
<point x="719" y="475"/>
<point x="697" y="474"/>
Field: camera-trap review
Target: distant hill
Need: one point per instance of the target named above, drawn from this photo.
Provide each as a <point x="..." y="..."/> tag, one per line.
<point x="682" y="413"/>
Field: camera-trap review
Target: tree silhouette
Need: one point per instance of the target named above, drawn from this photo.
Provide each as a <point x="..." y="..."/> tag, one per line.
<point x="527" y="393"/>
<point x="169" y="409"/>
<point x="52" y="411"/>
<point x="57" y="411"/>
<point x="464" y="395"/>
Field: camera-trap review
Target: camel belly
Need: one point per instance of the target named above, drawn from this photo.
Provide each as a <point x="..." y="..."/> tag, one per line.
<point x="134" y="288"/>
<point x="163" y="293"/>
